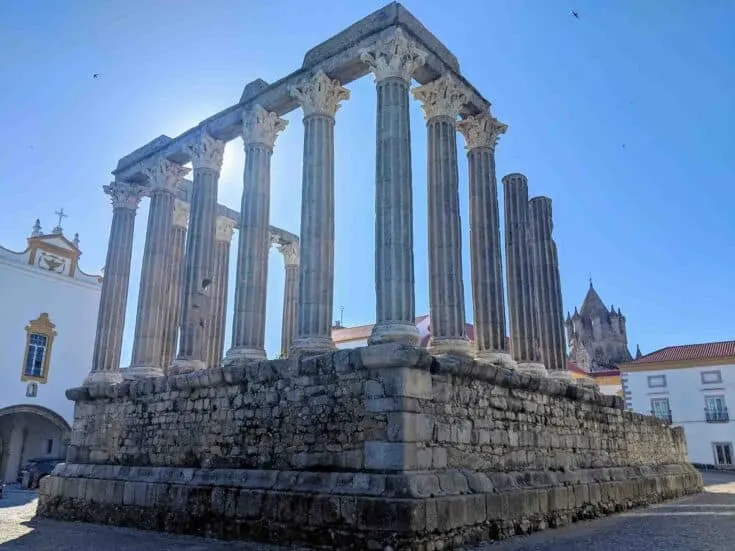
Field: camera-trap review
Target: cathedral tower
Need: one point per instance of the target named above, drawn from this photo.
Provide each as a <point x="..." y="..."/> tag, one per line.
<point x="597" y="336"/>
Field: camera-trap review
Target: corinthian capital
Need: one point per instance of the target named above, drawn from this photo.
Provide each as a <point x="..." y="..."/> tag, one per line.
<point x="225" y="229"/>
<point x="442" y="97"/>
<point x="261" y="126"/>
<point x="319" y="95"/>
<point x="207" y="152"/>
<point x="181" y="214"/>
<point x="290" y="252"/>
<point x="165" y="175"/>
<point x="123" y="195"/>
<point x="481" y="131"/>
<point x="393" y="56"/>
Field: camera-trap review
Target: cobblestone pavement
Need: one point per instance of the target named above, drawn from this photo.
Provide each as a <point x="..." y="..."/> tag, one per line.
<point x="704" y="522"/>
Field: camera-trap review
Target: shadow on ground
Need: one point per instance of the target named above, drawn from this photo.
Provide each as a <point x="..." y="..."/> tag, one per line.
<point x="14" y="496"/>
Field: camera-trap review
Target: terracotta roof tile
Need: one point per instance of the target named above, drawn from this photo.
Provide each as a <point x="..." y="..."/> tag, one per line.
<point x="704" y="351"/>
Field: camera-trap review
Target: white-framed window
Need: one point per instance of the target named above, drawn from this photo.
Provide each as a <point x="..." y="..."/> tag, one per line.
<point x="660" y="408"/>
<point x="35" y="355"/>
<point x="711" y="377"/>
<point x="715" y="409"/>
<point x="723" y="453"/>
<point x="656" y="381"/>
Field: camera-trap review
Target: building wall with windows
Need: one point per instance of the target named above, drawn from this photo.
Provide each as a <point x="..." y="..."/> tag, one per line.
<point x="47" y="332"/>
<point x="692" y="386"/>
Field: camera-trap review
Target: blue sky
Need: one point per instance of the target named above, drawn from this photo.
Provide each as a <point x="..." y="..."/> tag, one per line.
<point x="624" y="117"/>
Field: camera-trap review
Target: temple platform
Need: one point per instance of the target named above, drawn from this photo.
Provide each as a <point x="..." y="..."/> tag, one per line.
<point x="376" y="447"/>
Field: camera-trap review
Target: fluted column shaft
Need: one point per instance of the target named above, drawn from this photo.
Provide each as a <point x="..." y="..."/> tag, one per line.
<point x="199" y="261"/>
<point x="216" y="339"/>
<point x="521" y="296"/>
<point x="319" y="98"/>
<point x="151" y="318"/>
<point x="175" y="282"/>
<point x="290" y="296"/>
<point x="547" y="284"/>
<point x="446" y="285"/>
<point x="393" y="60"/>
<point x="148" y="339"/>
<point x="114" y="295"/>
<point x="487" y="269"/>
<point x="260" y="129"/>
<point x="481" y="133"/>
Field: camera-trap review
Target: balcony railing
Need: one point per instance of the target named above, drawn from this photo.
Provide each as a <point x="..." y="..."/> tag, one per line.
<point x="716" y="415"/>
<point x="664" y="416"/>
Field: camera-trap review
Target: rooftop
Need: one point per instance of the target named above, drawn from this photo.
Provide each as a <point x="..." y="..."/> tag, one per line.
<point x="689" y="352"/>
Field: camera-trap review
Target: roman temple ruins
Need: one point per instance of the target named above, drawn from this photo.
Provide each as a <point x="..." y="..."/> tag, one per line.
<point x="387" y="446"/>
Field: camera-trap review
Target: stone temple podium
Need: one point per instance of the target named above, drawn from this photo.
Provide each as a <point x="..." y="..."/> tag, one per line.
<point x="388" y="446"/>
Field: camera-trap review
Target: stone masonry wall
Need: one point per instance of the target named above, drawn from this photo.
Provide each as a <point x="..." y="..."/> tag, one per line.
<point x="354" y="410"/>
<point x="363" y="449"/>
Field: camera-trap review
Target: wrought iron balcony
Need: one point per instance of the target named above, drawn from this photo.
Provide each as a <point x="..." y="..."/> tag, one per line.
<point x="716" y="415"/>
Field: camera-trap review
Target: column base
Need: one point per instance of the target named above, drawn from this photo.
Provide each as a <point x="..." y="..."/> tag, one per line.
<point x="141" y="372"/>
<point x="311" y="346"/>
<point x="533" y="368"/>
<point x="496" y="357"/>
<point x="182" y="365"/>
<point x="450" y="346"/>
<point x="399" y="332"/>
<point x="244" y="355"/>
<point x="562" y="375"/>
<point x="95" y="377"/>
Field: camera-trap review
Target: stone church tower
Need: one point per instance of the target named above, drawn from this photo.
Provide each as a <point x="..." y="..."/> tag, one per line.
<point x="597" y="336"/>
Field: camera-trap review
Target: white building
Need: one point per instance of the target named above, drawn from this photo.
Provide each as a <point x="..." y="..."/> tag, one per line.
<point x="692" y="386"/>
<point x="47" y="331"/>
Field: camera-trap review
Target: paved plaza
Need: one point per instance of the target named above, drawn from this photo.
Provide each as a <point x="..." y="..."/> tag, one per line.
<point x="702" y="522"/>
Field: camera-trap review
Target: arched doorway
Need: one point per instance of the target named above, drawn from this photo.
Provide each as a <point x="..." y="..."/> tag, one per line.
<point x="29" y="432"/>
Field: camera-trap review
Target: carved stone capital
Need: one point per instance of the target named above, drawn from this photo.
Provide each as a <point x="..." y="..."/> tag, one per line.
<point x="165" y="175"/>
<point x="394" y="56"/>
<point x="261" y="126"/>
<point x="290" y="252"/>
<point x="181" y="214"/>
<point x="123" y="195"/>
<point x="225" y="229"/>
<point x="319" y="95"/>
<point x="442" y="97"/>
<point x="481" y="131"/>
<point x="207" y="152"/>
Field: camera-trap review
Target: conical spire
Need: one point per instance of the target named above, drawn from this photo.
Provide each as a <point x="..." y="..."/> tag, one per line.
<point x="36" y="228"/>
<point x="638" y="351"/>
<point x="76" y="240"/>
<point x="612" y="309"/>
<point x="592" y="304"/>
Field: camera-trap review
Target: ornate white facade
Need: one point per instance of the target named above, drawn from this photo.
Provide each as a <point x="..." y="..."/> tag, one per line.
<point x="47" y="333"/>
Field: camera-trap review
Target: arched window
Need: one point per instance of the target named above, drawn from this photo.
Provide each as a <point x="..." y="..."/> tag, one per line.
<point x="39" y="338"/>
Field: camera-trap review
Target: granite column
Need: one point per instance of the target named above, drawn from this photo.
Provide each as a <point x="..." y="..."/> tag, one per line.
<point x="151" y="320"/>
<point x="481" y="134"/>
<point x="216" y="340"/>
<point x="442" y="100"/>
<point x="290" y="252"/>
<point x="521" y="294"/>
<point x="547" y="284"/>
<point x="114" y="297"/>
<point x="175" y="283"/>
<point x="393" y="61"/>
<point x="319" y="98"/>
<point x="206" y="158"/>
<point x="260" y="129"/>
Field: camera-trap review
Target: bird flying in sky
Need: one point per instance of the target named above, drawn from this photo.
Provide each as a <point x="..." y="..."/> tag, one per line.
<point x="96" y="75"/>
<point x="575" y="14"/>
